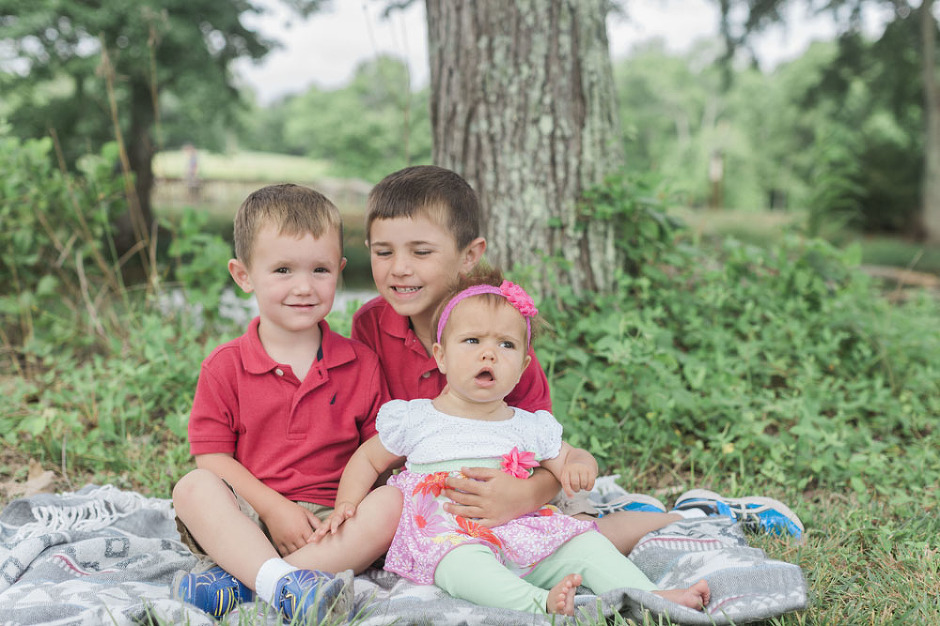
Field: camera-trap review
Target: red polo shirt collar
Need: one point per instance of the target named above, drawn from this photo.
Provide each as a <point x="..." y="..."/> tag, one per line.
<point x="391" y="323"/>
<point x="332" y="353"/>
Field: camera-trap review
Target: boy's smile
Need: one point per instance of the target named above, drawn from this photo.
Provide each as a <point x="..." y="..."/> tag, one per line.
<point x="414" y="261"/>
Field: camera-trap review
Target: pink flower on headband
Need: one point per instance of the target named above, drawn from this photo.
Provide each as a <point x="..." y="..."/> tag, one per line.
<point x="518" y="463"/>
<point x="519" y="299"/>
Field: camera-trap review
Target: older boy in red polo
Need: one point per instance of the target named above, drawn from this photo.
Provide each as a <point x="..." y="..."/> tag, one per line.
<point x="423" y="230"/>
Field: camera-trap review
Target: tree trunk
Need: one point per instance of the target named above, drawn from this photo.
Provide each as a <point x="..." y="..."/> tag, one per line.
<point x="931" y="189"/>
<point x="523" y="106"/>
<point x="135" y="229"/>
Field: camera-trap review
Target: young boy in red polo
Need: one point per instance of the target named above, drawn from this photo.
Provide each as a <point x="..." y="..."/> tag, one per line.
<point x="277" y="414"/>
<point x="423" y="231"/>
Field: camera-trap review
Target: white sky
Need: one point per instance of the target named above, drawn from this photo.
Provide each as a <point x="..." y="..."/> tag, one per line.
<point x="325" y="49"/>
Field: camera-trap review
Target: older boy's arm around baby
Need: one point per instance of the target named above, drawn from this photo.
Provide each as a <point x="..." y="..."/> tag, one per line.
<point x="277" y="414"/>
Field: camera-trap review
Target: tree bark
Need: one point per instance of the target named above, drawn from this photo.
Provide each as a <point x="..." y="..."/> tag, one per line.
<point x="523" y="106"/>
<point x="931" y="190"/>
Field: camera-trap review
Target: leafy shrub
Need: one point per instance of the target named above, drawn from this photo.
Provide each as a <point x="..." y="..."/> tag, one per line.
<point x="782" y="362"/>
<point x="103" y="372"/>
<point x="54" y="256"/>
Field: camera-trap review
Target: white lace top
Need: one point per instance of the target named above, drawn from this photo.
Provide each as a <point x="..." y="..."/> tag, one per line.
<point x="416" y="430"/>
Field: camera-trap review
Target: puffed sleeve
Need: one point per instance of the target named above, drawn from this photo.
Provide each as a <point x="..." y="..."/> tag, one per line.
<point x="392" y="424"/>
<point x="548" y="439"/>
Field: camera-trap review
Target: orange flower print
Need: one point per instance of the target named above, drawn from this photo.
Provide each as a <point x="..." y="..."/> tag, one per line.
<point x="432" y="483"/>
<point x="472" y="529"/>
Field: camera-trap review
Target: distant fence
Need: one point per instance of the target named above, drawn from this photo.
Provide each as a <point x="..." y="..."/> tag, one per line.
<point x="226" y="195"/>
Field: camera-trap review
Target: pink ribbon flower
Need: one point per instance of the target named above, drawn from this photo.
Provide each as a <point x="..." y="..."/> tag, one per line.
<point x="518" y="463"/>
<point x="518" y="298"/>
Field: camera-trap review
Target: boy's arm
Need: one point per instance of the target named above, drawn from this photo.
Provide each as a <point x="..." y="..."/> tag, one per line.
<point x="493" y="497"/>
<point x="361" y="473"/>
<point x="290" y="525"/>
<point x="575" y="468"/>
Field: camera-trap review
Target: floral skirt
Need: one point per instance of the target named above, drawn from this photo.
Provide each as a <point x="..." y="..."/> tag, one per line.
<point x="426" y="532"/>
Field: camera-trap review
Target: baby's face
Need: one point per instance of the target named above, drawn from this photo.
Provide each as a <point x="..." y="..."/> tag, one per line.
<point x="483" y="351"/>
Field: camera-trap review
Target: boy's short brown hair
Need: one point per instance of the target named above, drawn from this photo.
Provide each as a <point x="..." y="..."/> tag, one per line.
<point x="435" y="192"/>
<point x="292" y="209"/>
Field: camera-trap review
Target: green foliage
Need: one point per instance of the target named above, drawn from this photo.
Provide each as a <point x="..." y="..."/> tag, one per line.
<point x="112" y="410"/>
<point x="55" y="260"/>
<point x="96" y="367"/>
<point x="366" y="129"/>
<point x="635" y="205"/>
<point x="180" y="50"/>
<point x="783" y="362"/>
<point x="198" y="259"/>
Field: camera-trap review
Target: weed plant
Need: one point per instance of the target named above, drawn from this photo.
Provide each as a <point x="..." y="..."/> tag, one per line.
<point x="779" y="371"/>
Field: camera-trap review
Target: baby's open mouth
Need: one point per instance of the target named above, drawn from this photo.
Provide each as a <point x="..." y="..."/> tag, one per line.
<point x="485" y="375"/>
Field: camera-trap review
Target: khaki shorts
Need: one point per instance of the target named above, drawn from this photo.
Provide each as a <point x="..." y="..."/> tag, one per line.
<point x="190" y="542"/>
<point x="576" y="504"/>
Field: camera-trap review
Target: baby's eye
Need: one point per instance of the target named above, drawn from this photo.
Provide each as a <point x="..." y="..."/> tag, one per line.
<point x="473" y="340"/>
<point x="507" y="344"/>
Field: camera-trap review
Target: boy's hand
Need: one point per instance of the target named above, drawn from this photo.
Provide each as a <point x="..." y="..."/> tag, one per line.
<point x="291" y="526"/>
<point x="342" y="511"/>
<point x="490" y="496"/>
<point x="576" y="477"/>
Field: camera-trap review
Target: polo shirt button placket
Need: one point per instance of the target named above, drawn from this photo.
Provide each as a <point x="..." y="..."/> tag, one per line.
<point x="279" y="372"/>
<point x="426" y="375"/>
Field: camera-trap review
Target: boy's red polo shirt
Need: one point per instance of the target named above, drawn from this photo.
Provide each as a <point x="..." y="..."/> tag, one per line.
<point x="412" y="373"/>
<point x="295" y="436"/>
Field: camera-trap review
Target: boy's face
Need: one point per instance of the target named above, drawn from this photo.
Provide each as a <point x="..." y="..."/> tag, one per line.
<point x="414" y="262"/>
<point x="483" y="350"/>
<point x="293" y="277"/>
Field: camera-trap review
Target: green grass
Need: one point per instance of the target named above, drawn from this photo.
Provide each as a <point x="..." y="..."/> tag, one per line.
<point x="901" y="253"/>
<point x="765" y="228"/>
<point x="755" y="227"/>
<point x="240" y="166"/>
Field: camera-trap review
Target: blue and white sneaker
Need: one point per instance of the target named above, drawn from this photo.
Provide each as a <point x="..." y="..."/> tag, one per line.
<point x="630" y="502"/>
<point x="754" y="512"/>
<point x="311" y="595"/>
<point x="214" y="591"/>
<point x="609" y="497"/>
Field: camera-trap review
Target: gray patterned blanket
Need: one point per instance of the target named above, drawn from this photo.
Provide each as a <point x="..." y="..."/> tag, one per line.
<point x="105" y="556"/>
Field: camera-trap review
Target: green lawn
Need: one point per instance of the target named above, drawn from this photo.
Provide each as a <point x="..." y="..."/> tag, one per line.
<point x="259" y="166"/>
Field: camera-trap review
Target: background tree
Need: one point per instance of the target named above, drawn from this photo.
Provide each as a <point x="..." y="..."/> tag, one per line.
<point x="523" y="105"/>
<point x="742" y="18"/>
<point x="86" y="70"/>
<point x="370" y="127"/>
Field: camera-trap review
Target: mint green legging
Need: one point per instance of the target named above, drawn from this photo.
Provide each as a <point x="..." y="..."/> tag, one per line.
<point x="471" y="572"/>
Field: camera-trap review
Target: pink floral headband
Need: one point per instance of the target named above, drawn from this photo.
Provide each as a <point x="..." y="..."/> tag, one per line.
<point x="516" y="295"/>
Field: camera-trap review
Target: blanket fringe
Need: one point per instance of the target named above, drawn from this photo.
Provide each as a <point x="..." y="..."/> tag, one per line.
<point x="105" y="506"/>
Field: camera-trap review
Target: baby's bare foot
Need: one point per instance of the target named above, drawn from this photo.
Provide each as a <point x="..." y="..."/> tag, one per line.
<point x="695" y="597"/>
<point x="561" y="596"/>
